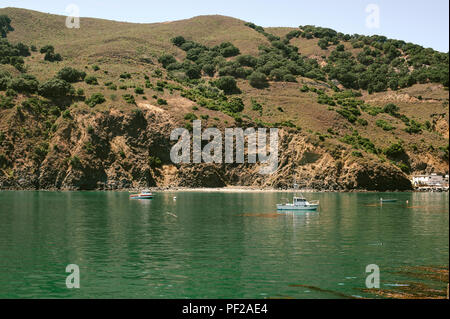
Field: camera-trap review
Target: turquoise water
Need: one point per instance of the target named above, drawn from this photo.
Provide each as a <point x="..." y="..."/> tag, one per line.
<point x="213" y="245"/>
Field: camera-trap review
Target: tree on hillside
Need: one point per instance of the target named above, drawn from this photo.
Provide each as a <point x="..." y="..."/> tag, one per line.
<point x="209" y="69"/>
<point x="71" y="75"/>
<point x="258" y="80"/>
<point x="24" y="84"/>
<point x="194" y="72"/>
<point x="5" y="25"/>
<point x="227" y="84"/>
<point x="227" y="50"/>
<point x="55" y="88"/>
<point x="166" y="59"/>
<point x="178" y="41"/>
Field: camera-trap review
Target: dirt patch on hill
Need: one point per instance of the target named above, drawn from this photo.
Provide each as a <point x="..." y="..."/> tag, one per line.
<point x="151" y="107"/>
<point x="399" y="98"/>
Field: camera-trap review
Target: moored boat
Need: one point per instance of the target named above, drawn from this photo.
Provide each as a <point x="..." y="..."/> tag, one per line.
<point x="388" y="200"/>
<point x="142" y="195"/>
<point x="299" y="203"/>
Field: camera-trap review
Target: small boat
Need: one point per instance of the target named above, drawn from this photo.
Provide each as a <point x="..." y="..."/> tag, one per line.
<point x="146" y="194"/>
<point x="299" y="203"/>
<point x="387" y="200"/>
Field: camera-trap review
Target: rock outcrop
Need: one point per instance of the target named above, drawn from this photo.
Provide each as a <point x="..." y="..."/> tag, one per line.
<point x="113" y="150"/>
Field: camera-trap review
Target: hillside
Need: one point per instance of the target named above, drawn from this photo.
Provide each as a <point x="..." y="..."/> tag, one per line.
<point x="354" y="112"/>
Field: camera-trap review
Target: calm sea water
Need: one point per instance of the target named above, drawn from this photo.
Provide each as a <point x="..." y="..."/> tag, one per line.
<point x="213" y="245"/>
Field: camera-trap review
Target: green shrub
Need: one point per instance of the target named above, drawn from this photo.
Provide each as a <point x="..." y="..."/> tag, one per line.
<point x="190" y="117"/>
<point x="125" y="75"/>
<point x="40" y="151"/>
<point x="247" y="60"/>
<point x="139" y="90"/>
<point x="347" y="114"/>
<point x="80" y="92"/>
<point x="161" y="101"/>
<point x="384" y="125"/>
<point x="96" y="98"/>
<point x="70" y="75"/>
<point x="95" y="67"/>
<point x="323" y="44"/>
<point x="362" y="122"/>
<point x="52" y="57"/>
<point x="404" y="167"/>
<point x="47" y="48"/>
<point x="194" y="72"/>
<point x="92" y="80"/>
<point x="394" y="151"/>
<point x="228" y="50"/>
<point x="66" y="114"/>
<point x="129" y="98"/>
<point x="11" y="93"/>
<point x="209" y="69"/>
<point x="154" y="161"/>
<point x="54" y="88"/>
<point x="5" y="25"/>
<point x="256" y="106"/>
<point x="6" y="102"/>
<point x="359" y="142"/>
<point x="234" y="105"/>
<point x="227" y="84"/>
<point x="304" y="88"/>
<point x="413" y="128"/>
<point x="24" y="84"/>
<point x="157" y="73"/>
<point x="391" y="109"/>
<point x="258" y="80"/>
<point x="166" y="59"/>
<point x="178" y="41"/>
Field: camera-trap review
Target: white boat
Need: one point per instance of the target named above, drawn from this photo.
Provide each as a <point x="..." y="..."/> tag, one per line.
<point x="146" y="194"/>
<point x="299" y="203"/>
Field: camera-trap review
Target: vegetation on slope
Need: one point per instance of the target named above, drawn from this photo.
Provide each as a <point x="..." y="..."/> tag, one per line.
<point x="224" y="84"/>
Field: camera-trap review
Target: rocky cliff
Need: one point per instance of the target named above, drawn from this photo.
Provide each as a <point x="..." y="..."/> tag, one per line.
<point x="114" y="149"/>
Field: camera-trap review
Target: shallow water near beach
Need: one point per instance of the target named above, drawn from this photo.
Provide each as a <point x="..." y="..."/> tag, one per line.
<point x="214" y="244"/>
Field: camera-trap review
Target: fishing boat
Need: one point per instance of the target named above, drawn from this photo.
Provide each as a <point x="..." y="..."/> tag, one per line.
<point x="146" y="194"/>
<point x="388" y="200"/>
<point x="299" y="203"/>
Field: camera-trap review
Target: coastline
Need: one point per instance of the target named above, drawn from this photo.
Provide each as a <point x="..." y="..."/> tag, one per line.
<point x="230" y="189"/>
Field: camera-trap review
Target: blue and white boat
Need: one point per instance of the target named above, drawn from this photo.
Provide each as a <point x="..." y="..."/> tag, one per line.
<point x="299" y="203"/>
<point x="146" y="194"/>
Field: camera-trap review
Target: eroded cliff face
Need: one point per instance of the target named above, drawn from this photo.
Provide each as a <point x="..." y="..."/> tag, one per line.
<point x="114" y="149"/>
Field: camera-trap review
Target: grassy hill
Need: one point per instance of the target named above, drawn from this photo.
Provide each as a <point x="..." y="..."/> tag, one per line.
<point x="354" y="101"/>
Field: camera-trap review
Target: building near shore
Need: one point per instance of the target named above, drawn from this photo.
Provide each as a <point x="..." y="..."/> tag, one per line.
<point x="433" y="180"/>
